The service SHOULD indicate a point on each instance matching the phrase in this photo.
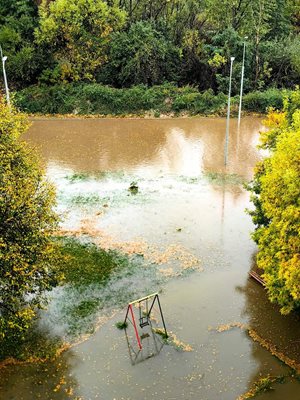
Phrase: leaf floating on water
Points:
(260, 386)
(182, 260)
(172, 340)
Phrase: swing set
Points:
(146, 306)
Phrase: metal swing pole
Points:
(135, 327)
(162, 316)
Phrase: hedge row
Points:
(167, 98)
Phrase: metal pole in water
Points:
(242, 82)
(228, 115)
(4, 76)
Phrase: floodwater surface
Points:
(187, 226)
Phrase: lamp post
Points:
(242, 81)
(4, 76)
(228, 114)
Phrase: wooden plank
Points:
(257, 277)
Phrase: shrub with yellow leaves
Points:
(27, 221)
(275, 194)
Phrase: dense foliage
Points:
(27, 221)
(78, 33)
(130, 42)
(276, 196)
(140, 99)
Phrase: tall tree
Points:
(142, 55)
(78, 32)
(18, 20)
(276, 194)
(27, 221)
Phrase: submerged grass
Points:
(86, 263)
(224, 179)
(86, 199)
(97, 175)
(73, 310)
(96, 282)
(121, 325)
(85, 308)
(262, 385)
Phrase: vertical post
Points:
(228, 115)
(242, 82)
(162, 316)
(135, 328)
(4, 76)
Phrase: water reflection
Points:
(152, 346)
(281, 332)
(179, 146)
(40, 380)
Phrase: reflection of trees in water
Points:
(50, 380)
(265, 319)
(111, 144)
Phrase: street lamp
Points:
(4, 76)
(228, 114)
(242, 82)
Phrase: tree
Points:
(276, 194)
(78, 32)
(227, 13)
(18, 20)
(27, 221)
(142, 55)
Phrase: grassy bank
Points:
(96, 99)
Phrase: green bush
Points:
(200, 103)
(99, 99)
(261, 101)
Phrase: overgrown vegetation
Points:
(167, 98)
(128, 44)
(275, 192)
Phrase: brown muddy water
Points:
(188, 217)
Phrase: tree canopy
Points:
(78, 32)
(85, 40)
(27, 221)
(276, 196)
